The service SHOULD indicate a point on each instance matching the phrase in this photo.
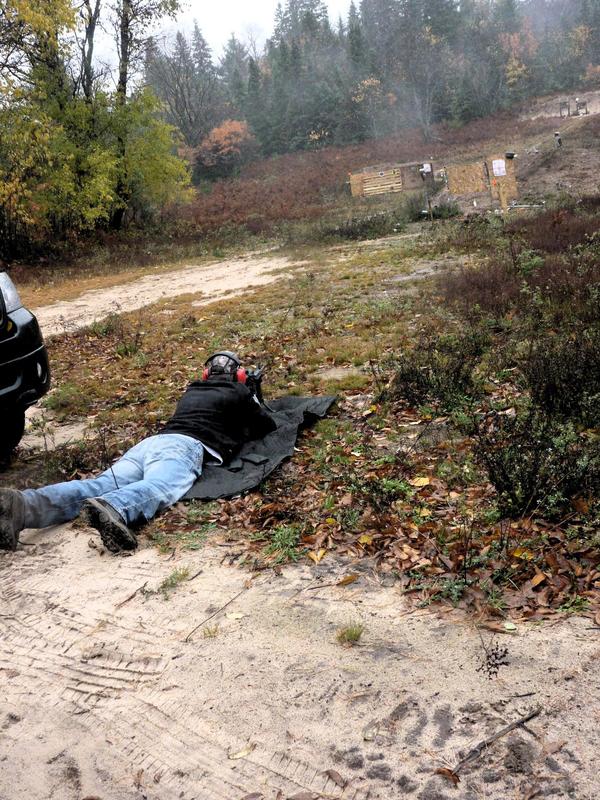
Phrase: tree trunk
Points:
(122, 189)
(87, 48)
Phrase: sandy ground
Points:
(223, 279)
(550, 106)
(106, 696)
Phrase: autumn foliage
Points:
(225, 149)
(307, 185)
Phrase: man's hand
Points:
(254, 383)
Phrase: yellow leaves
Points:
(523, 553)
(366, 538)
(242, 753)
(317, 555)
(580, 37)
(348, 579)
(41, 16)
(369, 89)
(420, 481)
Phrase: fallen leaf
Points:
(242, 753)
(537, 579)
(523, 553)
(597, 618)
(302, 796)
(336, 778)
(370, 732)
(498, 627)
(581, 505)
(448, 774)
(366, 538)
(348, 579)
(420, 481)
(236, 615)
(253, 796)
(331, 521)
(316, 556)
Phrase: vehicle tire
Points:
(13, 426)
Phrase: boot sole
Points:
(9, 508)
(115, 536)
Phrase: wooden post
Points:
(502, 195)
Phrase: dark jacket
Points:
(221, 414)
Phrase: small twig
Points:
(131, 596)
(218, 611)
(195, 575)
(319, 586)
(476, 751)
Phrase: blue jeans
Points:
(151, 476)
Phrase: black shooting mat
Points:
(256, 460)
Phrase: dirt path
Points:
(212, 281)
(104, 697)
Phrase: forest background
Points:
(87, 147)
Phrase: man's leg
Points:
(61, 502)
(172, 463)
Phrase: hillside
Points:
(306, 186)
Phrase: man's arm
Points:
(258, 422)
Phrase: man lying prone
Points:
(213, 419)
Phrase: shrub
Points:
(439, 369)
(554, 231)
(493, 289)
(369, 227)
(563, 376)
(536, 463)
(446, 210)
(224, 150)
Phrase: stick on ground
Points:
(477, 751)
(218, 611)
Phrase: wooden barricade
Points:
(494, 176)
(387, 178)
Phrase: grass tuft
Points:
(350, 635)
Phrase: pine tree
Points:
(201, 52)
(233, 71)
(357, 48)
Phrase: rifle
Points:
(254, 383)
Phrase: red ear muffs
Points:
(241, 375)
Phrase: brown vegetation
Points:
(302, 186)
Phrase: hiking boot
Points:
(12, 518)
(111, 526)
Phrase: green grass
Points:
(284, 544)
(172, 581)
(67, 399)
(350, 635)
